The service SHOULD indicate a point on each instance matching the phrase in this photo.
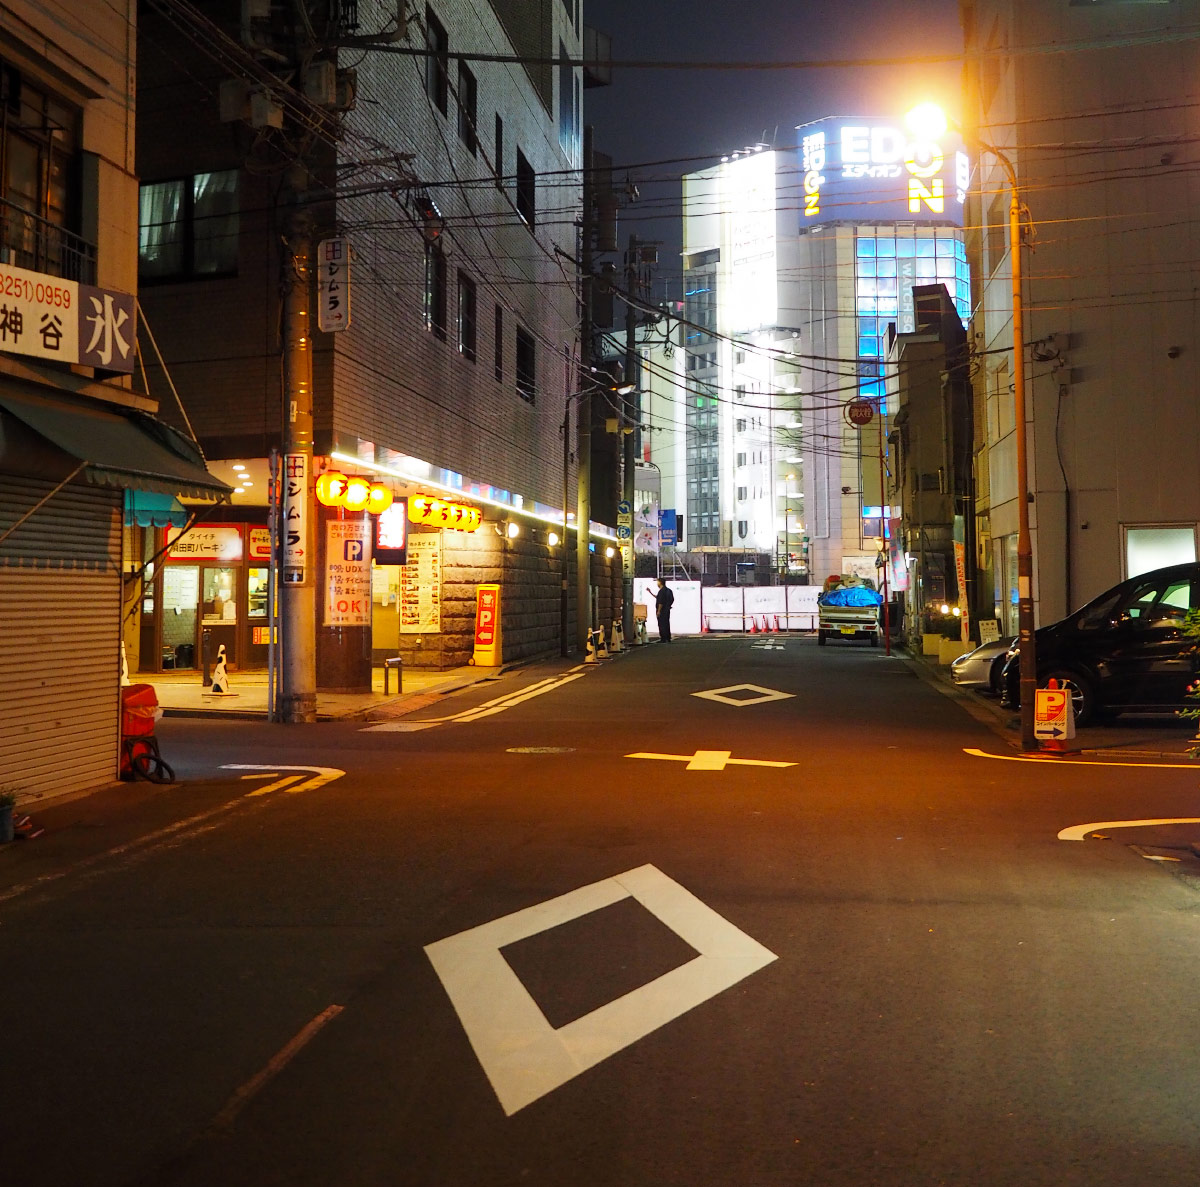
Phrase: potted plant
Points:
(8, 801)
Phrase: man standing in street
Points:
(663, 601)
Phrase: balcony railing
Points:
(39, 245)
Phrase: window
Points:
(741, 459)
(1157, 547)
(741, 494)
(499, 345)
(437, 63)
(467, 96)
(435, 290)
(499, 161)
(526, 366)
(466, 317)
(526, 189)
(741, 426)
(568, 113)
(188, 227)
(39, 152)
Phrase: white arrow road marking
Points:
(1076, 762)
(711, 760)
(293, 784)
(1077, 832)
(522, 1055)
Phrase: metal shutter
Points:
(60, 609)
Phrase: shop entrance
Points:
(180, 598)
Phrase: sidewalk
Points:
(1129, 737)
(181, 694)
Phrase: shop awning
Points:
(118, 447)
(149, 509)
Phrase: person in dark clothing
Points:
(663, 601)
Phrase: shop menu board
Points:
(421, 586)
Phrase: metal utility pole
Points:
(583, 448)
(629, 441)
(1027, 660)
(298, 696)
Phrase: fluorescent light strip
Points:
(349, 459)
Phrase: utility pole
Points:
(629, 407)
(583, 448)
(298, 697)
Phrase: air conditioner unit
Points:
(234, 99)
(265, 112)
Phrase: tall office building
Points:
(797, 262)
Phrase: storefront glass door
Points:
(181, 596)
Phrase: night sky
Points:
(651, 116)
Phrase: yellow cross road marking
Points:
(711, 760)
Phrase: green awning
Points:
(119, 447)
(149, 509)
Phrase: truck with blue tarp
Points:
(849, 612)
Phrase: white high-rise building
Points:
(796, 262)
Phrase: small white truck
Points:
(849, 612)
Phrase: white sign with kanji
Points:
(348, 572)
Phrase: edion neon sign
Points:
(879, 171)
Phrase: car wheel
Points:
(996, 676)
(1082, 696)
(873, 639)
(820, 638)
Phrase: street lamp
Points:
(930, 122)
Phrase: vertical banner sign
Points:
(421, 586)
(295, 518)
(960, 571)
(906, 277)
(333, 284)
(487, 627)
(348, 573)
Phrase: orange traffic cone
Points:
(704, 625)
(753, 625)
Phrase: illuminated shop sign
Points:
(748, 194)
(875, 171)
(355, 493)
(444, 513)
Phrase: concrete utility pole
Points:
(298, 697)
(629, 405)
(583, 448)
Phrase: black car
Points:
(1124, 650)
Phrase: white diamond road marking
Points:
(765, 695)
(523, 1056)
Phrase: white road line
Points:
(526, 695)
(274, 1066)
(1069, 764)
(522, 1055)
(1077, 832)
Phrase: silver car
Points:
(979, 670)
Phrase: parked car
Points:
(981, 669)
(1124, 650)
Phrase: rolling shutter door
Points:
(60, 609)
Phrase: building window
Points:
(435, 290)
(741, 459)
(568, 113)
(741, 426)
(468, 94)
(741, 494)
(466, 316)
(499, 345)
(39, 151)
(188, 227)
(437, 62)
(526, 190)
(526, 366)
(498, 163)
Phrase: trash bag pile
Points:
(851, 595)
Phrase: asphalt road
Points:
(584, 926)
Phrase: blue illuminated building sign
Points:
(873, 170)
